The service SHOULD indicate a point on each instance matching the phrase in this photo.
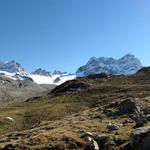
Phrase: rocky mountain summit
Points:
(42, 72)
(128, 64)
(14, 71)
(57, 72)
(11, 67)
(17, 85)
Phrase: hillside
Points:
(20, 90)
(107, 106)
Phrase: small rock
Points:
(146, 112)
(112, 126)
(81, 131)
(87, 134)
(110, 143)
(13, 138)
(117, 133)
(98, 117)
(128, 121)
(130, 96)
(88, 139)
(102, 139)
(141, 121)
(148, 117)
(93, 146)
(9, 119)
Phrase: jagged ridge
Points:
(128, 64)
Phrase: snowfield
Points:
(39, 79)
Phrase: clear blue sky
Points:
(64, 34)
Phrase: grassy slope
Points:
(64, 112)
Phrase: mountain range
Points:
(128, 64)
(97, 112)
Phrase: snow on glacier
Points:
(39, 79)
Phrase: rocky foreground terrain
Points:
(97, 112)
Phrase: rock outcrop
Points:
(140, 138)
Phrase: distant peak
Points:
(42, 72)
(128, 64)
(11, 66)
(93, 58)
(57, 72)
(13, 61)
(129, 55)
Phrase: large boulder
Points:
(140, 138)
(129, 106)
(105, 142)
(102, 139)
(140, 121)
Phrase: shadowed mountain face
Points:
(20, 90)
(17, 85)
(42, 72)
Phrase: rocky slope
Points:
(17, 85)
(42, 72)
(20, 90)
(128, 64)
(97, 112)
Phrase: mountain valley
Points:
(99, 111)
(94, 109)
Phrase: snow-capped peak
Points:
(14, 70)
(11, 67)
(57, 72)
(42, 72)
(128, 64)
